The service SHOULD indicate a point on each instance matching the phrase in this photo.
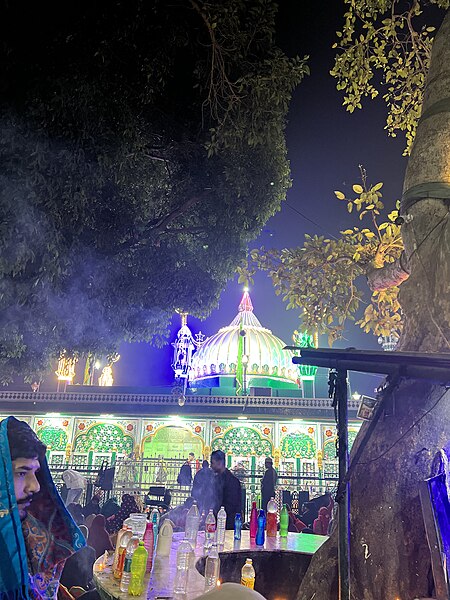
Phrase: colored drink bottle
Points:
(260, 534)
(248, 574)
(253, 521)
(237, 526)
(284, 521)
(271, 518)
(138, 567)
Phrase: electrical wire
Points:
(299, 212)
(368, 462)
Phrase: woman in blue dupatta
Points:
(37, 534)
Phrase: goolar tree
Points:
(142, 147)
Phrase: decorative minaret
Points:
(184, 347)
(245, 306)
(307, 372)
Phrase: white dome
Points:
(266, 357)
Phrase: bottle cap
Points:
(249, 561)
(238, 515)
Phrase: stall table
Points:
(279, 564)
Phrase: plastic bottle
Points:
(284, 521)
(210, 529)
(138, 567)
(192, 524)
(154, 518)
(253, 521)
(185, 557)
(260, 532)
(118, 542)
(271, 518)
(221, 526)
(126, 573)
(148, 544)
(237, 526)
(122, 553)
(212, 569)
(248, 574)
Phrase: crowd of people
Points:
(49, 549)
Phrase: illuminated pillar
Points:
(91, 457)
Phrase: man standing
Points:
(37, 534)
(202, 488)
(185, 474)
(227, 488)
(268, 483)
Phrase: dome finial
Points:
(246, 303)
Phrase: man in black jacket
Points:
(227, 488)
(203, 488)
(268, 483)
(185, 474)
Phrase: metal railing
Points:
(137, 476)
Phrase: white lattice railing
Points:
(168, 400)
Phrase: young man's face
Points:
(217, 465)
(25, 482)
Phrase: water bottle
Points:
(192, 524)
(210, 529)
(126, 537)
(154, 518)
(126, 573)
(253, 521)
(271, 518)
(221, 526)
(185, 559)
(148, 545)
(212, 569)
(237, 526)
(138, 567)
(260, 532)
(284, 521)
(248, 574)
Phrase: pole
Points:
(338, 391)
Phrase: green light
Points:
(305, 340)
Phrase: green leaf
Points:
(339, 195)
(357, 188)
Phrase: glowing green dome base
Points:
(229, 383)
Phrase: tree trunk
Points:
(389, 553)
(390, 558)
(426, 198)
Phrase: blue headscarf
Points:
(33, 551)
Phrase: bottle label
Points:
(248, 582)
(210, 528)
(127, 565)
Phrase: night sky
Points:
(326, 144)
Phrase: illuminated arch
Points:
(298, 444)
(172, 441)
(329, 447)
(243, 441)
(53, 437)
(104, 437)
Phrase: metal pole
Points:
(343, 499)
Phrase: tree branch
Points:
(389, 275)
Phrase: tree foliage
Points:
(323, 277)
(385, 46)
(142, 146)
